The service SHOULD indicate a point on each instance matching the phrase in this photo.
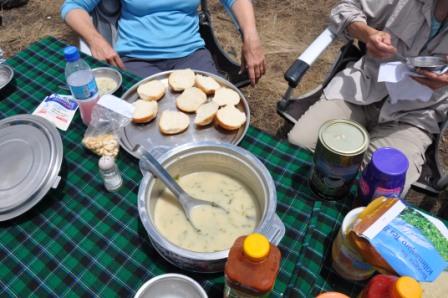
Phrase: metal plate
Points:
(6, 75)
(149, 136)
(30, 159)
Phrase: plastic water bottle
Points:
(81, 81)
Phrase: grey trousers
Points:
(411, 140)
(199, 60)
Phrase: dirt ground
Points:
(286, 27)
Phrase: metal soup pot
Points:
(215, 157)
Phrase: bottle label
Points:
(85, 91)
(387, 192)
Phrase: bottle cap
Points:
(332, 295)
(407, 287)
(71, 54)
(106, 162)
(390, 162)
(256, 247)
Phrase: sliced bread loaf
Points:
(152, 90)
(144, 111)
(206, 113)
(226, 96)
(173, 122)
(181, 79)
(230, 118)
(190, 100)
(207, 84)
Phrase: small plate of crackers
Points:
(181, 106)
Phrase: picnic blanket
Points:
(81, 240)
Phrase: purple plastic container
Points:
(385, 175)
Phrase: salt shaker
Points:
(110, 173)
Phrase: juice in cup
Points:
(85, 108)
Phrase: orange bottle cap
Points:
(407, 287)
(256, 247)
(332, 295)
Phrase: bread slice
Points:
(152, 90)
(207, 84)
(181, 79)
(190, 100)
(230, 118)
(173, 122)
(226, 96)
(206, 113)
(144, 111)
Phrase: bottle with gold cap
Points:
(389, 286)
(251, 268)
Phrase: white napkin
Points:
(400, 85)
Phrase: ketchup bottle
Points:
(252, 267)
(389, 286)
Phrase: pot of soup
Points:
(227, 175)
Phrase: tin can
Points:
(346, 261)
(385, 175)
(339, 153)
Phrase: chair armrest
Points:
(296, 71)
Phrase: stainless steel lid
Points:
(30, 159)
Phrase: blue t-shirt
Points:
(156, 29)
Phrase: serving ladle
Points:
(188, 203)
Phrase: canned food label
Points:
(332, 181)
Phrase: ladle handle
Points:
(150, 164)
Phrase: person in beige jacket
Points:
(388, 28)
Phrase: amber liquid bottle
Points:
(251, 268)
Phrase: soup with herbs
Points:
(216, 228)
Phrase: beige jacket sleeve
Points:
(373, 12)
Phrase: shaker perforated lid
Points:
(30, 159)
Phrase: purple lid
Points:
(390, 161)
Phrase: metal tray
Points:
(149, 136)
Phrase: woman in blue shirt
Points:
(159, 35)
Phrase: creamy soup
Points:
(217, 229)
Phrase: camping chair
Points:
(105, 18)
(292, 109)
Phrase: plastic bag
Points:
(108, 116)
(396, 238)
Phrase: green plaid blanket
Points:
(81, 240)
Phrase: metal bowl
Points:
(171, 285)
(108, 72)
(431, 63)
(6, 75)
(216, 157)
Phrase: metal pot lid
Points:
(30, 159)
